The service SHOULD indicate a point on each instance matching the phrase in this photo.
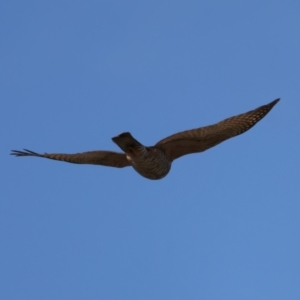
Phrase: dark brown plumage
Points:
(155, 162)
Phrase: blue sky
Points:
(224, 224)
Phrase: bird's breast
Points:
(153, 164)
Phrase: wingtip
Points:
(25, 152)
(275, 101)
(15, 152)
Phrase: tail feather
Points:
(127, 142)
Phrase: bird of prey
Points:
(154, 162)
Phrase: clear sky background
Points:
(224, 224)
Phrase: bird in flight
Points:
(154, 162)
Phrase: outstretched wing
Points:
(203, 138)
(104, 158)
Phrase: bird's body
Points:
(155, 162)
(151, 162)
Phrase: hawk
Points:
(154, 162)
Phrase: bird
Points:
(154, 162)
